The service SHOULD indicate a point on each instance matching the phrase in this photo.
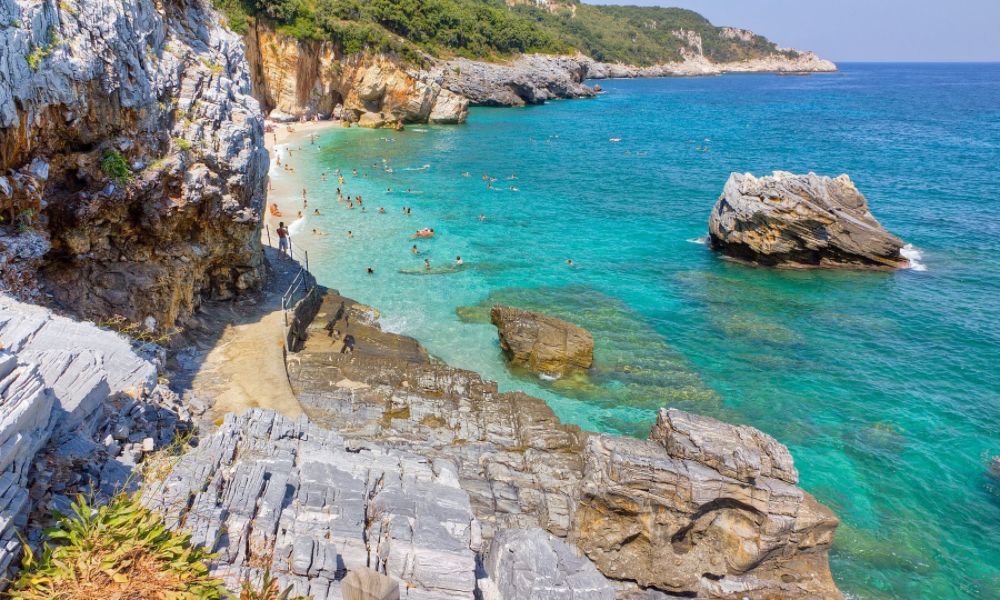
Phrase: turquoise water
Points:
(884, 386)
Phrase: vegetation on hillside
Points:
(487, 29)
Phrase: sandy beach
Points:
(285, 187)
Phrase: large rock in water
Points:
(703, 506)
(541, 343)
(800, 221)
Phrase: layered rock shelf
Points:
(800, 221)
(700, 508)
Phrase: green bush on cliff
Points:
(491, 29)
(119, 550)
(116, 167)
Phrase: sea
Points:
(884, 386)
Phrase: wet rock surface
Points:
(800, 221)
(541, 343)
(130, 145)
(701, 508)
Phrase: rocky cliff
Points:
(131, 159)
(294, 79)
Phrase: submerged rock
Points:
(800, 221)
(542, 344)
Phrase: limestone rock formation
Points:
(528, 79)
(703, 506)
(294, 79)
(530, 564)
(78, 410)
(541, 343)
(301, 501)
(701, 509)
(800, 221)
(131, 156)
(696, 64)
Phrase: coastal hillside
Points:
(387, 62)
(491, 29)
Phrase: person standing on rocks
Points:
(283, 239)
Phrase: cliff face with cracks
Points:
(132, 167)
(292, 79)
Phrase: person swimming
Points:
(350, 234)
(414, 251)
(371, 271)
(427, 264)
(482, 217)
(569, 262)
(316, 212)
(458, 261)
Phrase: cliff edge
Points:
(132, 166)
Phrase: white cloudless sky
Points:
(862, 30)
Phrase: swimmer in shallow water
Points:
(569, 262)
(414, 251)
(458, 261)
(427, 264)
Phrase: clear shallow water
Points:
(884, 386)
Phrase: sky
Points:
(862, 30)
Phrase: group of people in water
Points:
(357, 202)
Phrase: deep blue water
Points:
(883, 385)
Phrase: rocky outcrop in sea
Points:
(131, 159)
(800, 221)
(542, 344)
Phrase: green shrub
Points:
(116, 167)
(182, 144)
(491, 29)
(119, 550)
